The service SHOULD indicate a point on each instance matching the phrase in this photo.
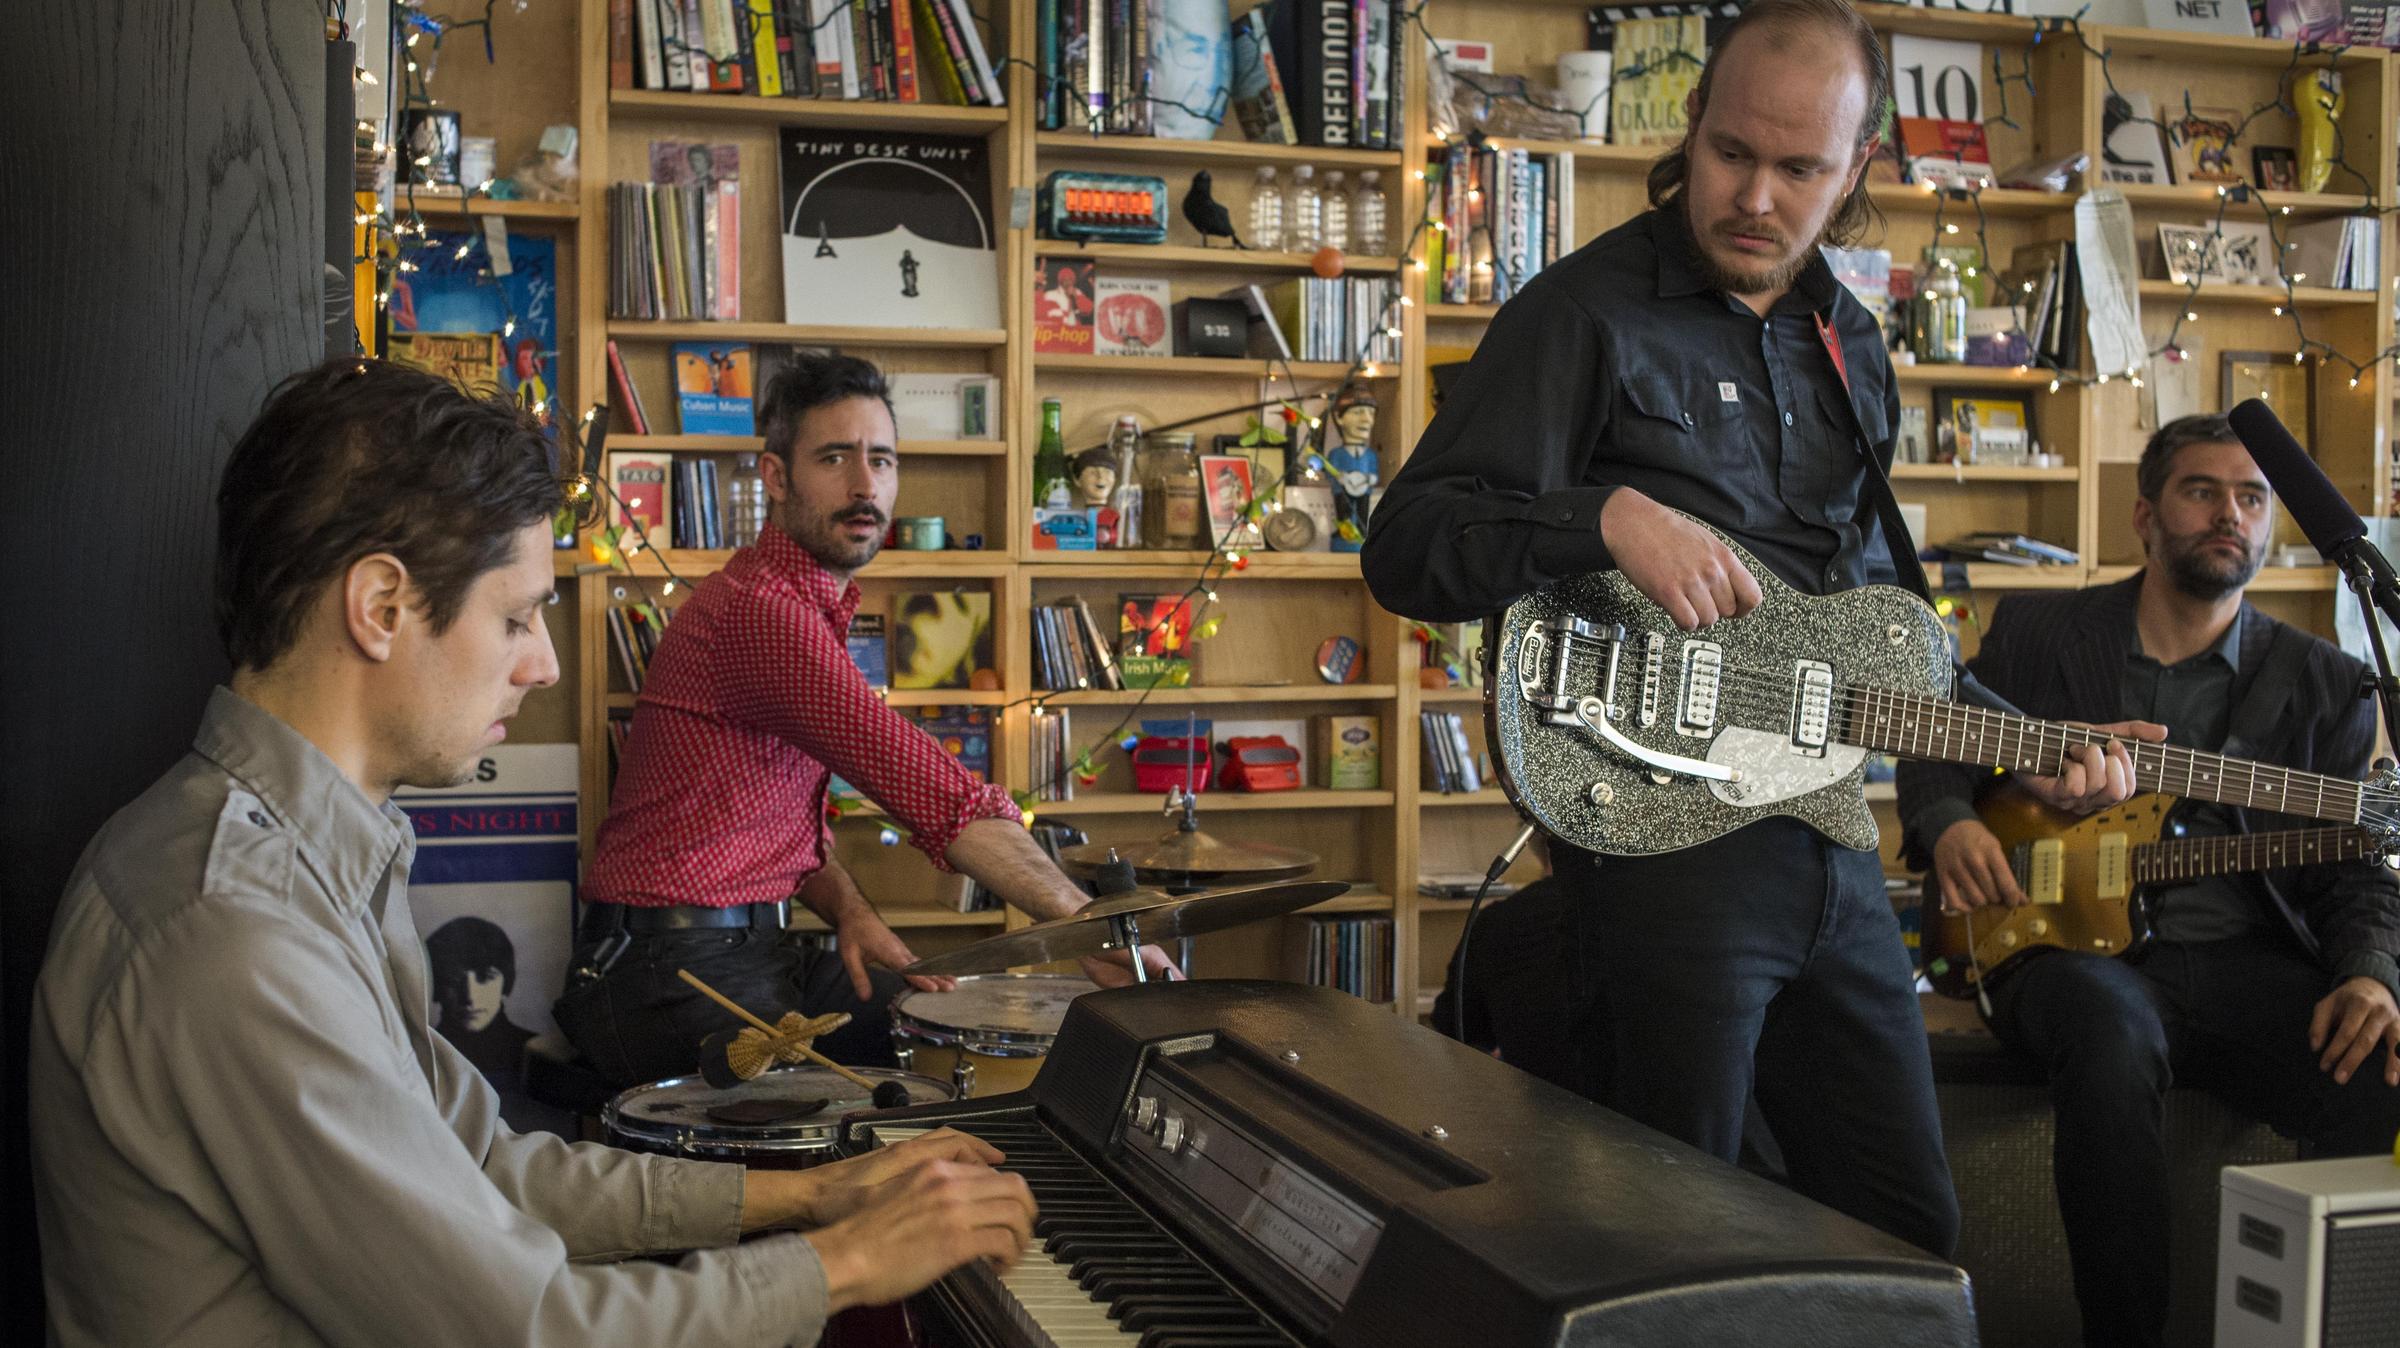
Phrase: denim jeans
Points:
(2228, 1016)
(639, 1023)
(1766, 964)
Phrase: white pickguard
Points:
(1771, 772)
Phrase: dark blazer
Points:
(2062, 657)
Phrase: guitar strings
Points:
(1744, 694)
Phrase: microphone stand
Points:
(2370, 576)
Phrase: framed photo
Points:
(2275, 168)
(2246, 254)
(2272, 377)
(1983, 426)
(2189, 252)
(1227, 484)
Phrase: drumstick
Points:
(764, 1028)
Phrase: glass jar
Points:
(1173, 513)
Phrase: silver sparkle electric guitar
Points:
(1619, 733)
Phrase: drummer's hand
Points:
(1112, 970)
(862, 939)
(921, 1224)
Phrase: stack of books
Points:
(1452, 764)
(1506, 214)
(675, 246)
(844, 49)
(1068, 650)
(1353, 954)
(633, 631)
(2009, 549)
(1305, 72)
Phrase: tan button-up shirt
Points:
(246, 1131)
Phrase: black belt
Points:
(603, 919)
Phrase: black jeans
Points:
(639, 1023)
(2228, 1016)
(1766, 964)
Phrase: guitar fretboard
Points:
(1912, 725)
(2186, 859)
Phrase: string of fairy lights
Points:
(611, 546)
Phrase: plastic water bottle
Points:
(1370, 236)
(746, 497)
(1304, 212)
(1336, 211)
(1266, 211)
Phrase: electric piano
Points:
(1238, 1164)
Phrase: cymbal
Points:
(1181, 855)
(1160, 917)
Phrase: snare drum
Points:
(989, 1034)
(784, 1120)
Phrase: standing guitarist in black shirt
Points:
(2273, 990)
(1702, 358)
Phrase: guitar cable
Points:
(1500, 864)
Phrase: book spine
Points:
(620, 44)
(762, 52)
(824, 22)
(634, 422)
(729, 250)
(645, 33)
(904, 49)
(1045, 64)
(1358, 71)
(1325, 84)
(674, 45)
(993, 95)
(939, 63)
(792, 56)
(696, 48)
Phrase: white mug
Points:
(1583, 87)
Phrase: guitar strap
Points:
(1879, 485)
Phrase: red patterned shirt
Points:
(751, 703)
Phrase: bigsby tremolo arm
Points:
(1549, 650)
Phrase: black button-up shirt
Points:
(1619, 367)
(2194, 699)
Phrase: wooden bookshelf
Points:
(1383, 838)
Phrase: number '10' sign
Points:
(1934, 77)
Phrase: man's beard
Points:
(2203, 575)
(822, 538)
(1775, 278)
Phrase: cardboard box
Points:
(1346, 752)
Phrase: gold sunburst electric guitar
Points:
(2087, 880)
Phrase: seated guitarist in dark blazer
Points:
(2275, 990)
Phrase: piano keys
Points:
(1235, 1164)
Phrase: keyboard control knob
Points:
(1170, 1134)
(1145, 1113)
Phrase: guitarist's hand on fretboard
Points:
(2093, 778)
(1972, 868)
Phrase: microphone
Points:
(2332, 527)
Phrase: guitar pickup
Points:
(1654, 661)
(1703, 675)
(1812, 706)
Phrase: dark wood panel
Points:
(162, 201)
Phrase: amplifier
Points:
(2308, 1255)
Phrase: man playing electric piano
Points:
(2274, 990)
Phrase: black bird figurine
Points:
(1207, 214)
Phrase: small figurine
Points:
(1356, 469)
(1096, 489)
